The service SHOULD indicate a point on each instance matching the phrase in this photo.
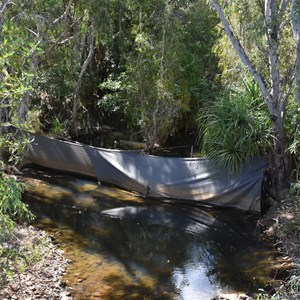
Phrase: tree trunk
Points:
(282, 165)
(295, 18)
(273, 44)
(281, 159)
(273, 97)
(4, 110)
(73, 125)
(24, 108)
(241, 52)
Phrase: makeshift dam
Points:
(196, 180)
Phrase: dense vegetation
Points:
(158, 70)
(228, 70)
(12, 211)
(143, 66)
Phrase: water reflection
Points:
(126, 247)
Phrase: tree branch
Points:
(33, 32)
(283, 6)
(3, 8)
(64, 14)
(62, 35)
(65, 40)
(242, 54)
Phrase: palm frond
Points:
(235, 128)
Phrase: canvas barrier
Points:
(59, 155)
(187, 179)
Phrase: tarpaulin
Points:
(195, 179)
(59, 155)
(187, 179)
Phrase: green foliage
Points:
(15, 73)
(7, 225)
(10, 202)
(8, 263)
(295, 187)
(12, 209)
(171, 71)
(153, 50)
(294, 147)
(33, 123)
(58, 128)
(113, 101)
(248, 24)
(15, 145)
(288, 290)
(235, 128)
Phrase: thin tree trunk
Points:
(73, 125)
(297, 74)
(24, 108)
(241, 52)
(272, 42)
(4, 110)
(295, 17)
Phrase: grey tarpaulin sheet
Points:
(59, 155)
(193, 179)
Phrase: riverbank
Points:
(38, 267)
(281, 225)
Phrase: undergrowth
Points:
(12, 211)
(285, 230)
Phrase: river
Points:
(123, 246)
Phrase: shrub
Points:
(235, 128)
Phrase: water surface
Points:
(126, 247)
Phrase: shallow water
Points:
(126, 247)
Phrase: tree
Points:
(169, 70)
(14, 76)
(152, 74)
(79, 82)
(90, 62)
(275, 88)
(295, 20)
(82, 36)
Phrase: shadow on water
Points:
(126, 247)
